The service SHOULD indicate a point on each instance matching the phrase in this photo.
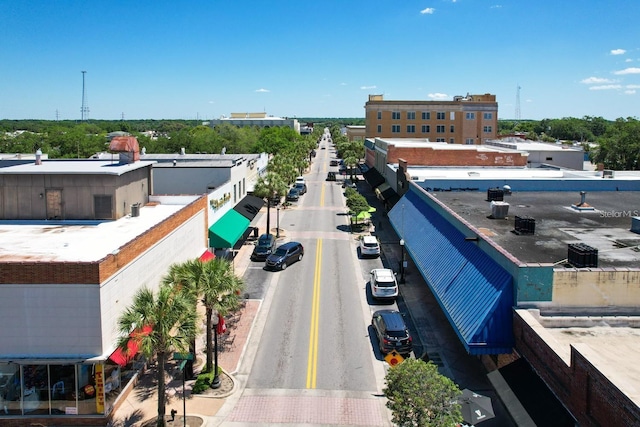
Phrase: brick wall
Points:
(32, 272)
(591, 398)
(427, 156)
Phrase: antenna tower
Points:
(84, 110)
(518, 104)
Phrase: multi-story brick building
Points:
(471, 119)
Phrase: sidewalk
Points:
(141, 404)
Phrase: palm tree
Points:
(267, 187)
(172, 316)
(219, 287)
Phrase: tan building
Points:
(472, 119)
(355, 132)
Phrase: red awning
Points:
(207, 256)
(123, 357)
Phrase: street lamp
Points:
(402, 263)
(216, 380)
(278, 223)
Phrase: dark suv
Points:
(392, 332)
(283, 256)
(301, 187)
(265, 245)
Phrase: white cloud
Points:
(428, 11)
(212, 102)
(632, 86)
(368, 87)
(628, 60)
(438, 96)
(343, 84)
(618, 52)
(605, 87)
(595, 80)
(496, 6)
(631, 70)
(630, 92)
(262, 90)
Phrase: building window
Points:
(411, 115)
(440, 115)
(395, 128)
(395, 115)
(379, 129)
(452, 129)
(471, 116)
(411, 129)
(452, 140)
(440, 140)
(426, 115)
(487, 129)
(452, 115)
(440, 129)
(379, 115)
(470, 141)
(488, 116)
(426, 128)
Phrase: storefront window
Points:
(63, 389)
(10, 389)
(35, 393)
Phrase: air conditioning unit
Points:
(499, 210)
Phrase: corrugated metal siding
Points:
(474, 291)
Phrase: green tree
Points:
(619, 149)
(269, 186)
(218, 287)
(419, 396)
(172, 316)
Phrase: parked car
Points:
(331, 176)
(348, 183)
(293, 195)
(383, 284)
(275, 200)
(285, 255)
(301, 187)
(392, 332)
(300, 179)
(264, 247)
(369, 246)
(333, 163)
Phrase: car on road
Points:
(264, 247)
(301, 187)
(384, 285)
(300, 179)
(369, 246)
(333, 163)
(331, 176)
(392, 332)
(293, 195)
(284, 256)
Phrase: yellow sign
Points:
(99, 388)
(394, 358)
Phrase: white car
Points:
(300, 179)
(383, 284)
(369, 246)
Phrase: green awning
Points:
(227, 230)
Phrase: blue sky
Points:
(202, 59)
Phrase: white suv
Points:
(383, 284)
(300, 179)
(369, 246)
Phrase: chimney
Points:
(38, 157)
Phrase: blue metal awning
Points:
(474, 291)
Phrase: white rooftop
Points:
(80, 241)
(80, 166)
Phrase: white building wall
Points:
(184, 243)
(187, 180)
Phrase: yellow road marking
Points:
(312, 361)
(322, 191)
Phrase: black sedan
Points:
(293, 195)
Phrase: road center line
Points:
(312, 361)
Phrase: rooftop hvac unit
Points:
(135, 210)
(525, 225)
(635, 224)
(581, 256)
(499, 210)
(495, 194)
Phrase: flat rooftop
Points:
(70, 167)
(607, 228)
(76, 241)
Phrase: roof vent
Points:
(39, 157)
(182, 151)
(583, 205)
